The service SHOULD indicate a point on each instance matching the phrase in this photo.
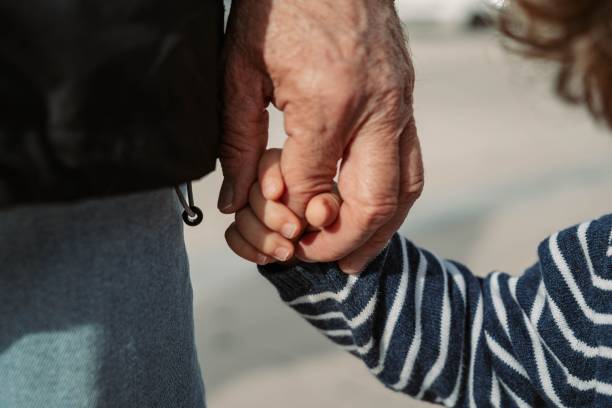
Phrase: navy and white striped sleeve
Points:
(431, 329)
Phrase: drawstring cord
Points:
(192, 215)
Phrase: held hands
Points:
(265, 230)
(340, 72)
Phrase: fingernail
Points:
(262, 259)
(288, 230)
(226, 196)
(282, 254)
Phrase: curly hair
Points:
(577, 34)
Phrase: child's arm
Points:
(416, 321)
(431, 329)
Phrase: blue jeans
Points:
(96, 306)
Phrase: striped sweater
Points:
(431, 329)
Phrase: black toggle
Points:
(195, 220)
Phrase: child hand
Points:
(265, 230)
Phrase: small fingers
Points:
(369, 183)
(261, 238)
(323, 209)
(242, 248)
(273, 214)
(270, 176)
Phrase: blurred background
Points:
(506, 165)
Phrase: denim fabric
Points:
(96, 306)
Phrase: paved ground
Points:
(506, 165)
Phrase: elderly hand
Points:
(340, 72)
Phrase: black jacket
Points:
(103, 97)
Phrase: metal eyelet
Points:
(192, 215)
(195, 219)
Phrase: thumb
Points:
(320, 108)
(323, 210)
(245, 133)
(308, 169)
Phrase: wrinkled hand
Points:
(340, 72)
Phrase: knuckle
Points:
(394, 101)
(374, 215)
(412, 191)
(413, 188)
(275, 220)
(265, 244)
(310, 185)
(392, 95)
(234, 153)
(270, 243)
(230, 153)
(392, 110)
